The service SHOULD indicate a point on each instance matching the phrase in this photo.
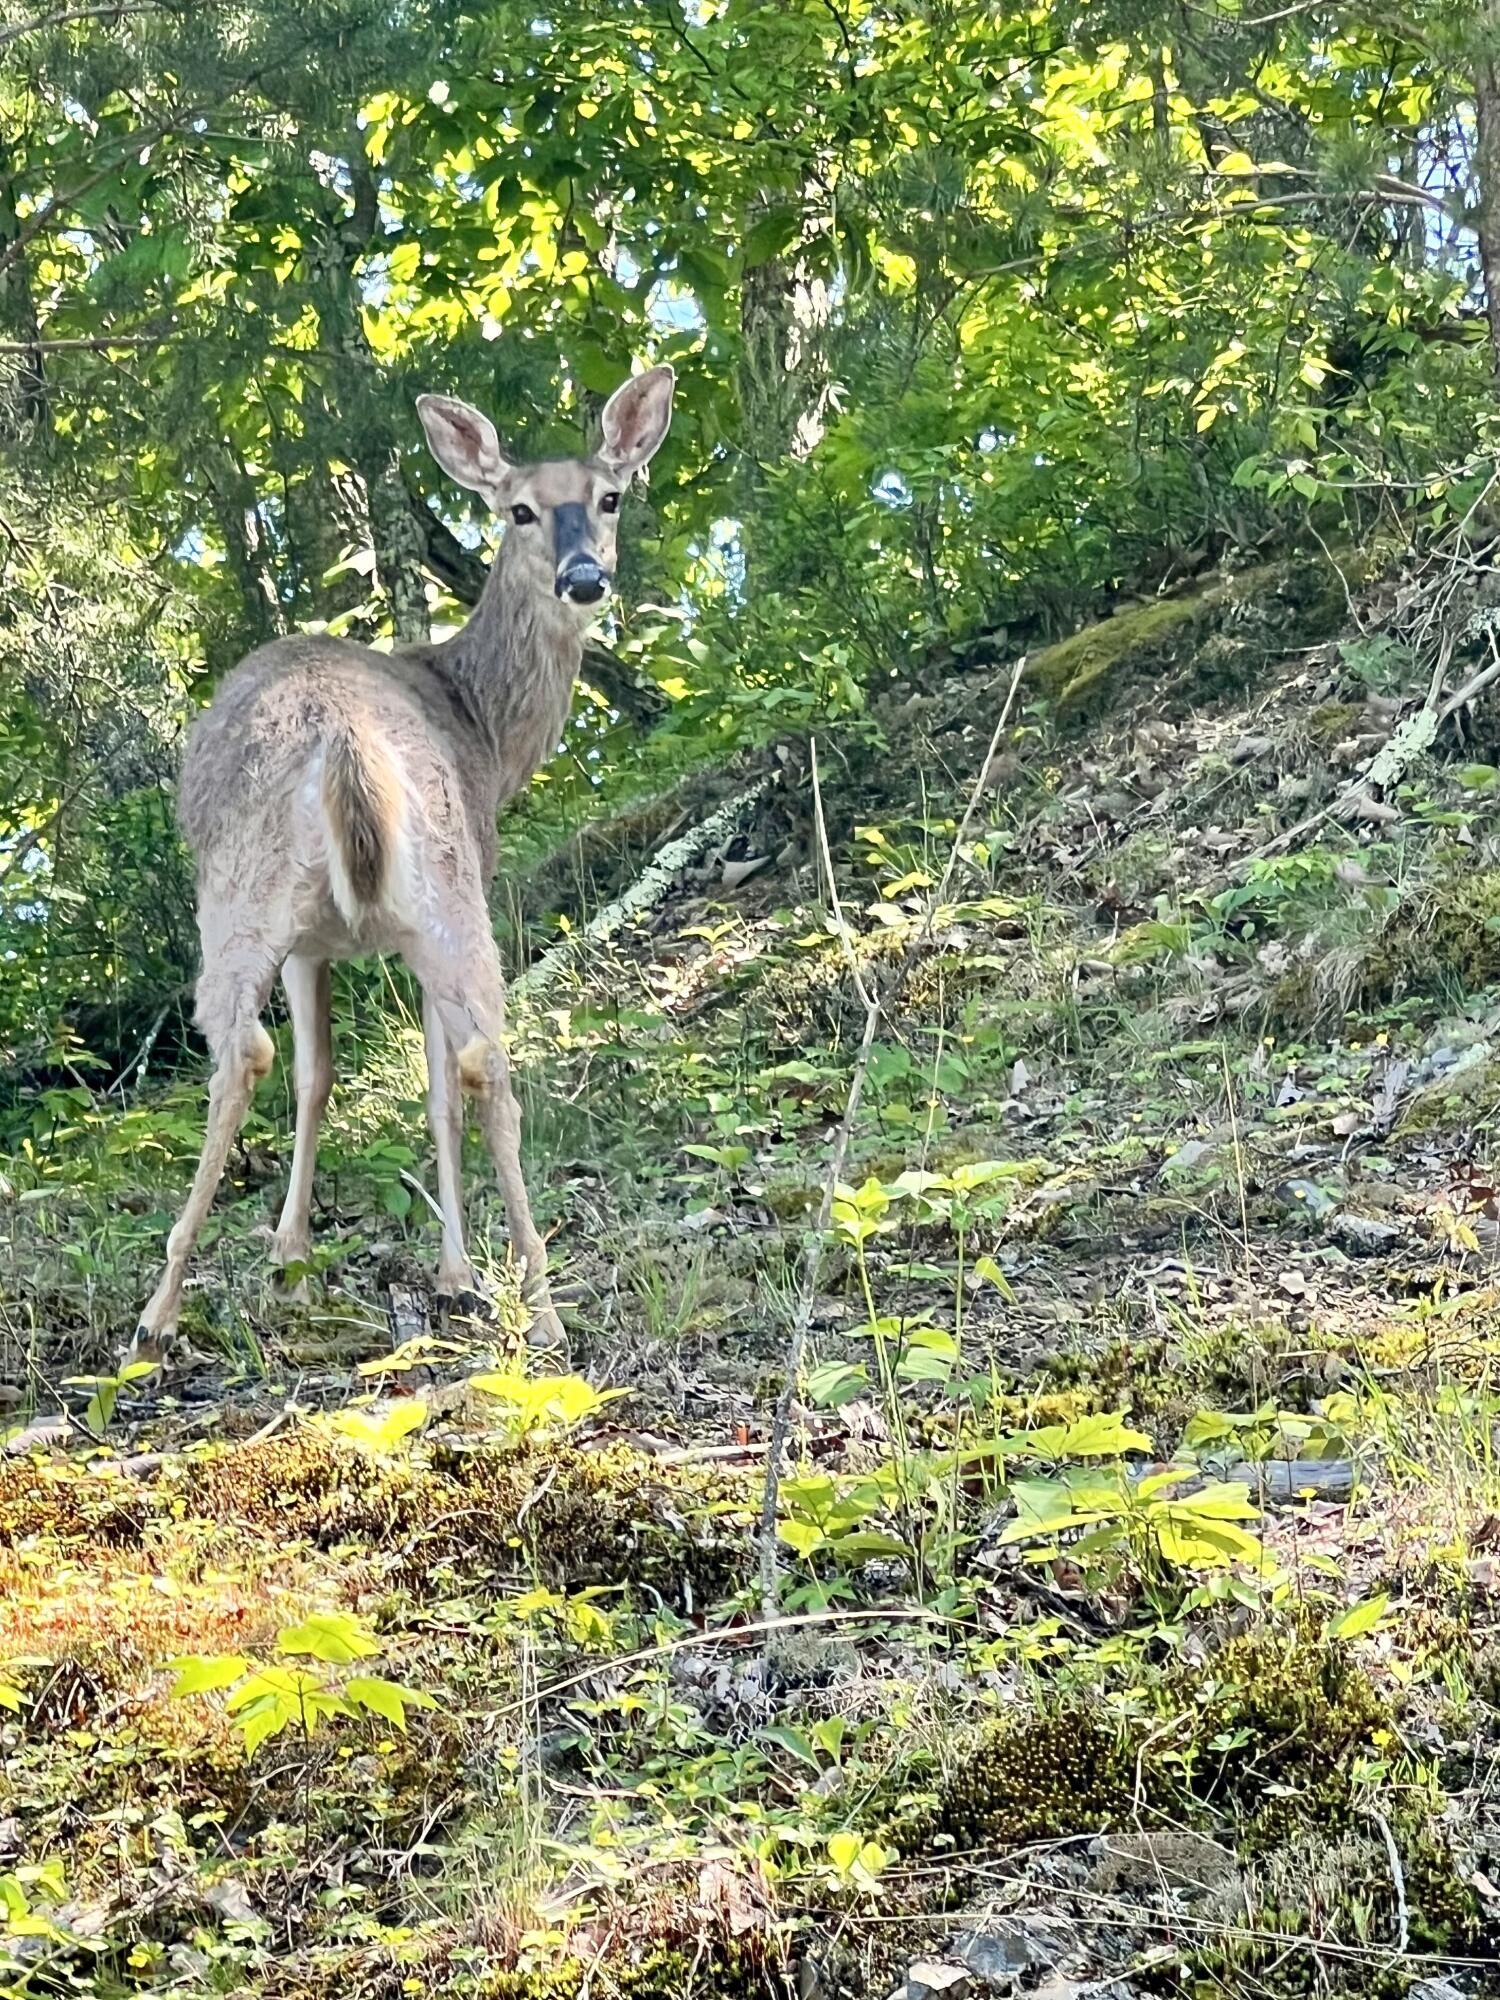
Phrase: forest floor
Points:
(1139, 1542)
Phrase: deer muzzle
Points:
(581, 577)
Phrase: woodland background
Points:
(1005, 967)
(976, 319)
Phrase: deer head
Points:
(562, 514)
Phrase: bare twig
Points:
(93, 344)
(65, 16)
(1398, 1880)
(812, 1255)
(732, 1635)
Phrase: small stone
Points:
(1364, 1235)
(1007, 1946)
(1195, 1153)
(936, 1979)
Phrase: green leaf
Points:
(206, 1674)
(387, 1698)
(332, 1636)
(1360, 1618)
(1104, 1435)
(261, 1721)
(803, 1538)
(794, 1741)
(381, 1432)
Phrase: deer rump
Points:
(345, 796)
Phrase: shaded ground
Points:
(1142, 1527)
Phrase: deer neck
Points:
(512, 669)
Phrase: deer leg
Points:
(467, 990)
(309, 996)
(229, 1002)
(445, 1114)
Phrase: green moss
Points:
(42, 1500)
(1043, 1778)
(1321, 1891)
(1448, 937)
(654, 1971)
(1212, 642)
(1079, 674)
(569, 1516)
(1331, 722)
(1279, 1718)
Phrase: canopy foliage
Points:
(977, 314)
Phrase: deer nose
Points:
(583, 581)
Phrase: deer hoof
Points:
(546, 1330)
(464, 1300)
(146, 1348)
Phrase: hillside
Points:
(1134, 1585)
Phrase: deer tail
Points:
(361, 793)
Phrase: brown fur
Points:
(342, 801)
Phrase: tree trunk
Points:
(1487, 168)
(238, 515)
(396, 535)
(25, 398)
(782, 379)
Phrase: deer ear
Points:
(463, 442)
(636, 419)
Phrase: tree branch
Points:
(66, 15)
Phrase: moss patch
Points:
(1278, 1721)
(1081, 674)
(1211, 642)
(1039, 1779)
(1449, 938)
(565, 1515)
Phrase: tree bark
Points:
(1487, 168)
(27, 400)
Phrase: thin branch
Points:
(812, 1255)
(65, 16)
(1398, 1881)
(95, 344)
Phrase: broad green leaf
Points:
(386, 1698)
(333, 1636)
(206, 1674)
(794, 1741)
(1360, 1618)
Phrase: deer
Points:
(341, 802)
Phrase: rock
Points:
(1435, 1989)
(937, 1979)
(999, 1949)
(1284, 1480)
(1188, 1865)
(1195, 1153)
(1364, 1235)
(1453, 1073)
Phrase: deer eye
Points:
(523, 516)
(610, 504)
